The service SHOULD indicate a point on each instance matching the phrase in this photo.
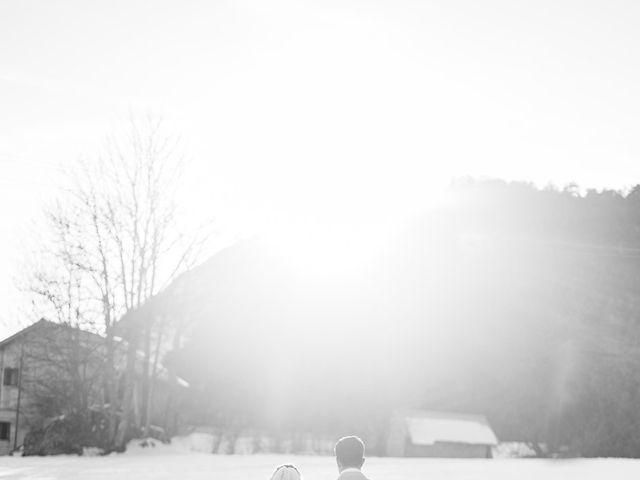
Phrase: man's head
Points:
(349, 453)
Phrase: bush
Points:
(68, 434)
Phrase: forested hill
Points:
(515, 302)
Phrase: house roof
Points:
(43, 323)
(427, 428)
(24, 331)
(163, 373)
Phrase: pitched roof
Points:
(162, 370)
(427, 428)
(24, 331)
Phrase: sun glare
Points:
(329, 250)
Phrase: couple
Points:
(349, 457)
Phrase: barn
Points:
(419, 433)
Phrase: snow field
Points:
(169, 463)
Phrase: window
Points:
(5, 431)
(10, 376)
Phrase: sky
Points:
(338, 113)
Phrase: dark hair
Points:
(350, 451)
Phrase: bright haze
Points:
(343, 114)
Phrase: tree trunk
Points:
(127, 401)
(154, 375)
(111, 385)
(171, 413)
(146, 373)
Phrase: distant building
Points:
(38, 377)
(30, 362)
(418, 433)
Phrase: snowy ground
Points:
(166, 463)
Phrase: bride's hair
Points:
(286, 472)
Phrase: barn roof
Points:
(427, 428)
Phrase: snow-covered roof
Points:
(427, 428)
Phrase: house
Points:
(48, 368)
(419, 433)
(9, 388)
(36, 376)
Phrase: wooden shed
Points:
(419, 433)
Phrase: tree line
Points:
(513, 301)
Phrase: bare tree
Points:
(116, 243)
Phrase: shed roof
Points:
(427, 428)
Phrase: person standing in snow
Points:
(350, 458)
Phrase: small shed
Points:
(420, 433)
